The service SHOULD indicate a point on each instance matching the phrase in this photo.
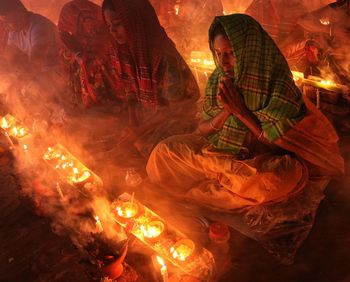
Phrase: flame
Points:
(18, 132)
(325, 21)
(153, 229)
(182, 249)
(15, 131)
(97, 218)
(25, 147)
(328, 83)
(297, 75)
(4, 123)
(160, 261)
(127, 210)
(202, 59)
(177, 9)
(79, 178)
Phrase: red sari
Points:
(151, 71)
(148, 49)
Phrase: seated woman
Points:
(156, 83)
(259, 141)
(84, 56)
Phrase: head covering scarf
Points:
(147, 42)
(261, 76)
(83, 20)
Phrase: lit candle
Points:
(59, 190)
(163, 269)
(9, 139)
(99, 226)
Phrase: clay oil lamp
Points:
(152, 230)
(19, 131)
(182, 249)
(52, 155)
(127, 210)
(81, 177)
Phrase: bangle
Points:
(213, 127)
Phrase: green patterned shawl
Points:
(261, 76)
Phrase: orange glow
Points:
(74, 172)
(177, 9)
(202, 60)
(52, 154)
(81, 177)
(98, 224)
(127, 210)
(182, 249)
(297, 76)
(4, 123)
(152, 229)
(325, 21)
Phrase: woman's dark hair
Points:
(8, 6)
(107, 5)
(218, 30)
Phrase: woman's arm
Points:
(213, 125)
(233, 103)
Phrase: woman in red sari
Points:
(151, 75)
(86, 43)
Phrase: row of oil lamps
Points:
(148, 226)
(144, 223)
(161, 237)
(204, 60)
(63, 162)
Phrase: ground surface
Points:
(30, 251)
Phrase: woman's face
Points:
(224, 53)
(115, 26)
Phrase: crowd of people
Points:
(258, 141)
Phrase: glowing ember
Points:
(182, 249)
(127, 210)
(153, 229)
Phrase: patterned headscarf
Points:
(147, 42)
(83, 19)
(261, 76)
